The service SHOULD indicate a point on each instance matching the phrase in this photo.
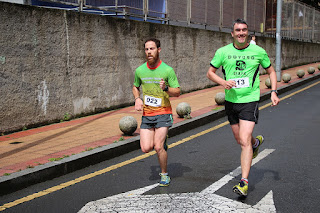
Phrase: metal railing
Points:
(145, 10)
(218, 14)
(299, 21)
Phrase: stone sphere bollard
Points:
(268, 83)
(128, 125)
(300, 73)
(220, 98)
(183, 109)
(311, 70)
(286, 77)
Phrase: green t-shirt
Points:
(156, 101)
(243, 67)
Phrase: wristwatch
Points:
(276, 91)
(166, 88)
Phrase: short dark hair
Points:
(239, 21)
(156, 41)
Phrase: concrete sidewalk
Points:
(36, 155)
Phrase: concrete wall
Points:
(54, 62)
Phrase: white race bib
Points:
(152, 101)
(241, 82)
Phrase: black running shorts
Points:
(243, 111)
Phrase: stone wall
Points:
(56, 62)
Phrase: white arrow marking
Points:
(218, 184)
(204, 201)
(266, 204)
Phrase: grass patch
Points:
(55, 159)
(188, 116)
(217, 108)
(67, 117)
(120, 139)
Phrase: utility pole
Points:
(278, 40)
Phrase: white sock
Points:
(256, 144)
(165, 174)
(245, 179)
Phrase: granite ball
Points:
(311, 70)
(286, 77)
(183, 109)
(268, 83)
(220, 98)
(300, 73)
(128, 125)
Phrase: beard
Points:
(153, 60)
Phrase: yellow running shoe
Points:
(241, 188)
(256, 150)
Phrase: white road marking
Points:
(224, 180)
(204, 201)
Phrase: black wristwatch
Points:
(166, 88)
(276, 91)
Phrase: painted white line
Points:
(205, 201)
(134, 192)
(266, 204)
(224, 180)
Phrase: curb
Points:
(48, 171)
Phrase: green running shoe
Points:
(256, 150)
(241, 188)
(165, 180)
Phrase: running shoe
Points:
(165, 180)
(165, 145)
(256, 150)
(241, 188)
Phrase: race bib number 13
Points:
(152, 101)
(241, 82)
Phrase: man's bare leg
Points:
(147, 139)
(154, 139)
(243, 135)
(159, 138)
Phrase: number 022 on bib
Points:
(152, 101)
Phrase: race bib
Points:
(241, 82)
(152, 101)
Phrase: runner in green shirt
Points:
(240, 65)
(158, 82)
(156, 101)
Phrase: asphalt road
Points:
(200, 158)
